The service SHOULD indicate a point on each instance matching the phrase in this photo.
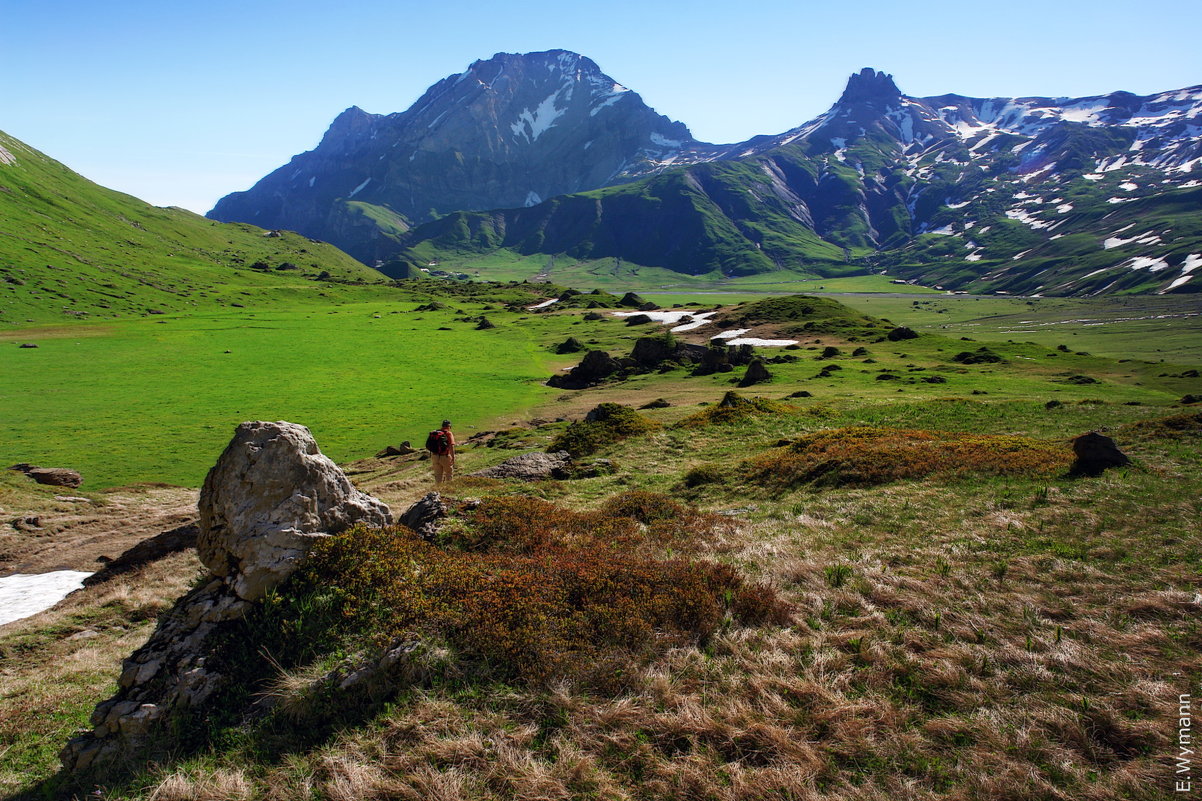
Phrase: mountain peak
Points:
(870, 85)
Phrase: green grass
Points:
(157, 400)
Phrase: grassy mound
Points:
(865, 456)
(606, 424)
(807, 314)
(734, 408)
(1175, 426)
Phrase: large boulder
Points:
(271, 492)
(268, 498)
(1095, 453)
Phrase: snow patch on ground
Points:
(23, 595)
(944, 231)
(1113, 200)
(1025, 217)
(532, 198)
(973, 257)
(699, 319)
(542, 305)
(763, 343)
(1092, 176)
(1064, 208)
(731, 334)
(1127, 186)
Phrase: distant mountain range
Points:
(544, 153)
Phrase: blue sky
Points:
(180, 103)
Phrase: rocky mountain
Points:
(510, 131)
(544, 154)
(1034, 195)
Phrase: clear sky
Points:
(180, 103)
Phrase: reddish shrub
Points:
(863, 456)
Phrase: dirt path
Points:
(42, 532)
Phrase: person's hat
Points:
(446, 422)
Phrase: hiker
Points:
(441, 445)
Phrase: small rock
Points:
(425, 516)
(756, 373)
(530, 467)
(27, 345)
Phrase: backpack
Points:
(438, 442)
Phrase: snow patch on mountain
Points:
(1192, 262)
(534, 123)
(359, 188)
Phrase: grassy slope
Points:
(71, 249)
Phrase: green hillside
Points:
(71, 249)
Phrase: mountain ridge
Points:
(862, 186)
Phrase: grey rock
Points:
(425, 516)
(270, 493)
(531, 467)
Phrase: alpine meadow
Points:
(856, 462)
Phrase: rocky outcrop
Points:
(756, 373)
(425, 516)
(531, 467)
(404, 449)
(51, 476)
(269, 497)
(595, 367)
(271, 492)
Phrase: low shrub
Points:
(532, 607)
(864, 456)
(1173, 427)
(606, 424)
(702, 474)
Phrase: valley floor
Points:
(953, 634)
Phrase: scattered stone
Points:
(900, 333)
(801, 393)
(1191, 399)
(638, 319)
(485, 324)
(594, 316)
(658, 403)
(531, 467)
(404, 449)
(146, 551)
(1053, 404)
(27, 345)
(51, 476)
(425, 516)
(756, 373)
(1095, 453)
(570, 345)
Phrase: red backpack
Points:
(439, 442)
